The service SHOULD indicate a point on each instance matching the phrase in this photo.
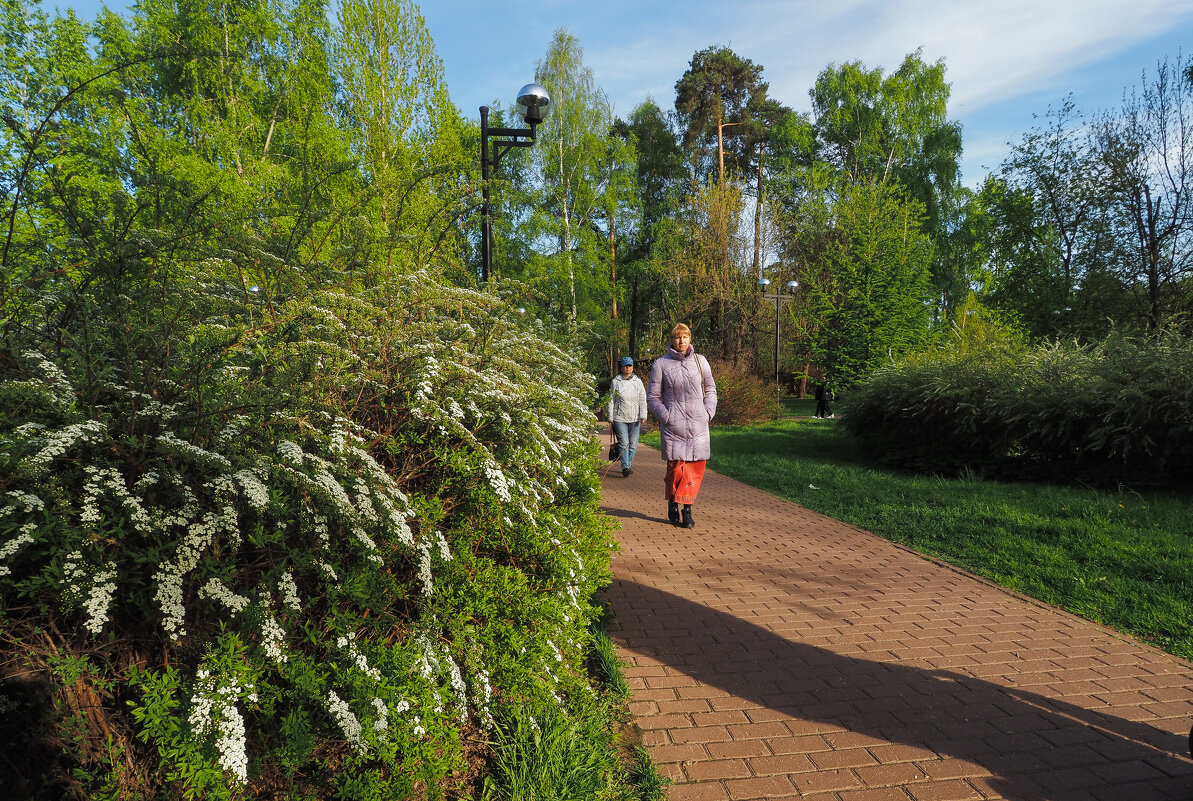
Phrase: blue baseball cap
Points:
(626, 360)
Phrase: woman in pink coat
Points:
(683, 397)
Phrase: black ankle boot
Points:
(673, 512)
(687, 517)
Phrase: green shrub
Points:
(302, 547)
(742, 397)
(941, 407)
(1120, 410)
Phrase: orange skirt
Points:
(683, 480)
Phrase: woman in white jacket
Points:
(627, 412)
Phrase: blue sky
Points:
(1006, 59)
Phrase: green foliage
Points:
(404, 127)
(545, 754)
(864, 291)
(1084, 216)
(606, 667)
(583, 170)
(350, 518)
(582, 750)
(659, 165)
(646, 779)
(281, 514)
(894, 130)
(1117, 410)
(696, 256)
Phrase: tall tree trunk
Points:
(613, 285)
(720, 149)
(758, 215)
(633, 333)
(566, 234)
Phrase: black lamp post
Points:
(779, 300)
(532, 104)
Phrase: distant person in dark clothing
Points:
(824, 399)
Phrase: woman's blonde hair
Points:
(680, 328)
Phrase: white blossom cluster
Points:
(417, 728)
(232, 429)
(27, 502)
(348, 722)
(445, 551)
(76, 576)
(381, 721)
(107, 481)
(272, 639)
(347, 643)
(174, 444)
(498, 482)
(147, 480)
(378, 501)
(291, 452)
(169, 577)
(255, 491)
(57, 443)
(289, 592)
(93, 592)
(482, 697)
(24, 537)
(424, 568)
(52, 378)
(458, 685)
(148, 405)
(218, 591)
(214, 710)
(429, 666)
(364, 501)
(350, 503)
(99, 600)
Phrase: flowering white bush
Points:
(355, 527)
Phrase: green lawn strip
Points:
(798, 407)
(1122, 558)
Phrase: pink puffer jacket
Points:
(683, 396)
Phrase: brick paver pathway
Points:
(776, 653)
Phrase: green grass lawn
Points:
(798, 407)
(1122, 558)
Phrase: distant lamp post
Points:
(779, 300)
(532, 105)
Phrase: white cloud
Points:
(993, 51)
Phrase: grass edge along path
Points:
(1123, 559)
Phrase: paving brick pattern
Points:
(776, 653)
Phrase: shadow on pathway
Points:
(1025, 740)
(776, 653)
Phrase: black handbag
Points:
(614, 450)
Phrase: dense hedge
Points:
(308, 547)
(1119, 410)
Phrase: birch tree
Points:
(407, 132)
(571, 161)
